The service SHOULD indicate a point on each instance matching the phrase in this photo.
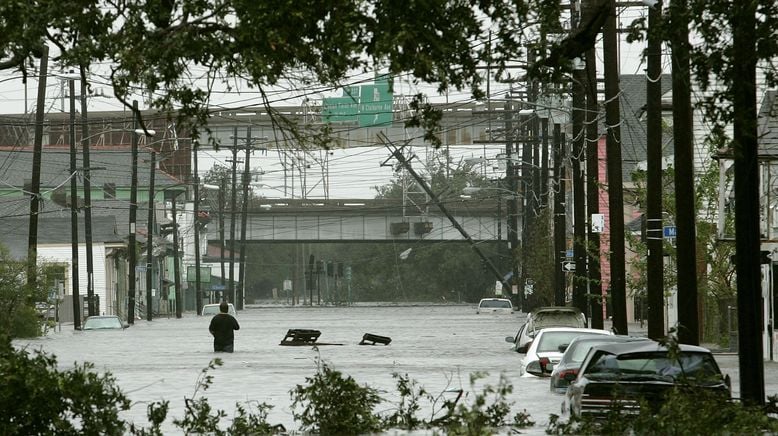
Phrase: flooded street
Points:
(438, 346)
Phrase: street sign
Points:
(569, 253)
(568, 266)
(669, 231)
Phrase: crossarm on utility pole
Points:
(406, 164)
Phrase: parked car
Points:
(546, 348)
(494, 305)
(567, 368)
(103, 322)
(543, 317)
(622, 374)
(213, 309)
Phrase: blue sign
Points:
(669, 231)
(569, 253)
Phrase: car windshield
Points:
(495, 304)
(102, 323)
(578, 350)
(213, 309)
(550, 341)
(700, 367)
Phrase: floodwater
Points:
(438, 346)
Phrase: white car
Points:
(494, 305)
(547, 348)
(213, 309)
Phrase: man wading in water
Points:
(222, 328)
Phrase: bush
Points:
(331, 404)
(38, 399)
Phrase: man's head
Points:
(224, 307)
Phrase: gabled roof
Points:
(632, 104)
(767, 130)
(108, 165)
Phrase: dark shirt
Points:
(222, 327)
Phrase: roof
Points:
(108, 165)
(632, 104)
(767, 130)
(14, 232)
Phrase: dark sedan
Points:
(625, 375)
(567, 368)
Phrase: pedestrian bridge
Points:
(364, 220)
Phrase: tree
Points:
(178, 52)
(18, 317)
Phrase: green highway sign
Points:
(368, 105)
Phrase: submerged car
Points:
(213, 309)
(544, 317)
(567, 369)
(494, 305)
(626, 376)
(103, 322)
(547, 347)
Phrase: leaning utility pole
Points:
(683, 124)
(397, 154)
(654, 236)
(40, 112)
(618, 291)
(747, 234)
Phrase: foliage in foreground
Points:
(684, 412)
(37, 398)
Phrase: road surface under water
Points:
(437, 346)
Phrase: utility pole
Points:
(77, 309)
(579, 196)
(559, 217)
(233, 206)
(198, 291)
(243, 220)
(512, 227)
(176, 266)
(222, 188)
(618, 291)
(133, 211)
(90, 284)
(747, 241)
(593, 187)
(527, 203)
(150, 239)
(40, 112)
(655, 261)
(683, 125)
(423, 184)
